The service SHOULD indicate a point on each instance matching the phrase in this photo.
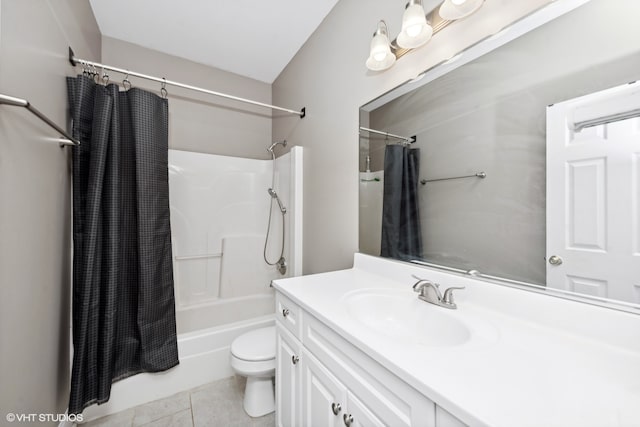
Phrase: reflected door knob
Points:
(555, 260)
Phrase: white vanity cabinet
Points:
(327, 402)
(324, 380)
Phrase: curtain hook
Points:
(163, 89)
(126, 82)
(105, 78)
(95, 74)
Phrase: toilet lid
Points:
(256, 345)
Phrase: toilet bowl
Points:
(253, 355)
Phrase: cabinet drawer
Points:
(390, 399)
(289, 315)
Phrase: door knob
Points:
(348, 419)
(295, 359)
(555, 260)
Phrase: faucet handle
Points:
(420, 283)
(447, 298)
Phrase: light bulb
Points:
(416, 31)
(451, 10)
(380, 55)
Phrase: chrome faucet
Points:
(430, 292)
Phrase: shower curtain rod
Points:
(391, 135)
(18, 102)
(74, 61)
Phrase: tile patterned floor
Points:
(218, 404)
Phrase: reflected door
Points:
(593, 194)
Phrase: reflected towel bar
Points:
(480, 175)
(18, 102)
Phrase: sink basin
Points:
(400, 315)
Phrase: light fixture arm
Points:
(382, 29)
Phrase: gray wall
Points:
(35, 217)
(489, 115)
(200, 122)
(329, 77)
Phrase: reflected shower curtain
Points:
(401, 235)
(123, 300)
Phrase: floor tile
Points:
(157, 409)
(179, 419)
(217, 404)
(121, 419)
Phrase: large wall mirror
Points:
(526, 160)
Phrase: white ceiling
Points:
(253, 38)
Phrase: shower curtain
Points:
(401, 236)
(123, 300)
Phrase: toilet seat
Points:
(255, 346)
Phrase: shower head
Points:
(283, 143)
(274, 195)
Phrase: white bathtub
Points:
(204, 357)
(223, 311)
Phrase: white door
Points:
(287, 379)
(593, 194)
(323, 396)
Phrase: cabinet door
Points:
(358, 415)
(445, 419)
(287, 379)
(323, 396)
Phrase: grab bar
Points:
(18, 102)
(188, 257)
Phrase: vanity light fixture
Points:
(380, 56)
(417, 29)
(458, 9)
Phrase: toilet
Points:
(253, 355)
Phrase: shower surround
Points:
(219, 212)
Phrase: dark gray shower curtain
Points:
(123, 300)
(401, 235)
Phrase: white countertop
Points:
(543, 362)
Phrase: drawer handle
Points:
(348, 419)
(336, 408)
(285, 312)
(295, 359)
